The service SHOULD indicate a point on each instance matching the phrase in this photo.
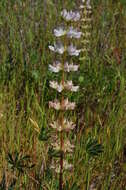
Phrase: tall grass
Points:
(25, 33)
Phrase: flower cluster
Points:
(86, 11)
(57, 67)
(68, 85)
(59, 48)
(64, 105)
(65, 49)
(56, 166)
(67, 125)
(71, 32)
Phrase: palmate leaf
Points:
(93, 148)
(19, 162)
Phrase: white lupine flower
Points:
(73, 33)
(59, 32)
(69, 86)
(56, 166)
(68, 147)
(67, 125)
(58, 48)
(69, 105)
(82, 7)
(73, 51)
(70, 67)
(56, 86)
(67, 166)
(56, 105)
(55, 67)
(88, 4)
(70, 16)
(66, 105)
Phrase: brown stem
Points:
(61, 134)
(61, 164)
(61, 145)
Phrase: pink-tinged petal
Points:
(56, 105)
(58, 32)
(73, 33)
(73, 51)
(55, 67)
(66, 105)
(58, 48)
(67, 125)
(70, 15)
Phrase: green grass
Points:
(25, 33)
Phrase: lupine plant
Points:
(86, 11)
(65, 46)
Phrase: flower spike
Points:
(67, 125)
(70, 15)
(68, 85)
(66, 105)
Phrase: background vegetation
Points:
(100, 155)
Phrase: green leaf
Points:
(93, 148)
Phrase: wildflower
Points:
(67, 125)
(66, 86)
(88, 4)
(58, 48)
(60, 144)
(55, 85)
(56, 166)
(70, 67)
(73, 51)
(56, 105)
(68, 147)
(70, 16)
(73, 33)
(69, 86)
(59, 32)
(67, 166)
(56, 67)
(66, 105)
